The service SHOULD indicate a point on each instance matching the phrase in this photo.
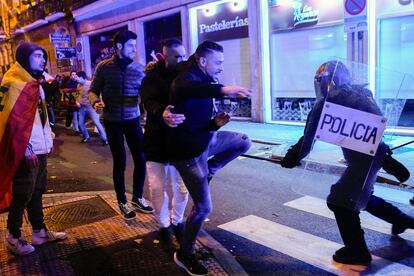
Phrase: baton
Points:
(397, 147)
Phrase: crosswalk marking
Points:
(308, 248)
(393, 194)
(318, 206)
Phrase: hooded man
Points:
(25, 142)
(353, 192)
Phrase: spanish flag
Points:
(19, 96)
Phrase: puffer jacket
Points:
(119, 88)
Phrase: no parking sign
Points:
(355, 15)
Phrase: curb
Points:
(222, 255)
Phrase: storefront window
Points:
(226, 22)
(396, 42)
(171, 28)
(304, 34)
(102, 47)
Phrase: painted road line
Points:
(307, 248)
(394, 195)
(318, 207)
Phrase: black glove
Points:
(395, 168)
(291, 159)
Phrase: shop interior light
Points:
(238, 5)
(210, 10)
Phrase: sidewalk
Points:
(101, 242)
(280, 137)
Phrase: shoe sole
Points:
(57, 240)
(181, 265)
(350, 263)
(141, 210)
(13, 250)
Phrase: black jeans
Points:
(29, 184)
(349, 223)
(132, 131)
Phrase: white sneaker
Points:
(19, 246)
(44, 236)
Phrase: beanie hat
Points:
(23, 53)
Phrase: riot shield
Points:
(348, 131)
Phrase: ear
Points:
(119, 46)
(203, 61)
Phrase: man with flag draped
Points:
(25, 142)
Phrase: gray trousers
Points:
(29, 184)
(224, 146)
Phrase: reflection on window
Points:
(295, 56)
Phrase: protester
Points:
(191, 143)
(25, 142)
(118, 80)
(86, 110)
(154, 93)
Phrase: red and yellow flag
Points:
(19, 95)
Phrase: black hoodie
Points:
(23, 53)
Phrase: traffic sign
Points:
(57, 38)
(355, 7)
(65, 52)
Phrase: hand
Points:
(172, 119)
(236, 92)
(31, 160)
(78, 104)
(222, 119)
(99, 106)
(290, 160)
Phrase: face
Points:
(37, 61)
(212, 64)
(174, 55)
(73, 76)
(128, 49)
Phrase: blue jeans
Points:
(224, 146)
(87, 110)
(132, 132)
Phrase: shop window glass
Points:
(396, 44)
(295, 56)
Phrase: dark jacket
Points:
(119, 85)
(154, 95)
(192, 94)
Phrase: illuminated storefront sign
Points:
(386, 7)
(223, 21)
(286, 15)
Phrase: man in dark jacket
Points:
(118, 80)
(354, 190)
(191, 143)
(154, 94)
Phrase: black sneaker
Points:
(104, 143)
(190, 264)
(178, 231)
(344, 256)
(85, 140)
(142, 205)
(126, 211)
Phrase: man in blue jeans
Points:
(118, 80)
(86, 110)
(192, 143)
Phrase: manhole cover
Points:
(77, 213)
